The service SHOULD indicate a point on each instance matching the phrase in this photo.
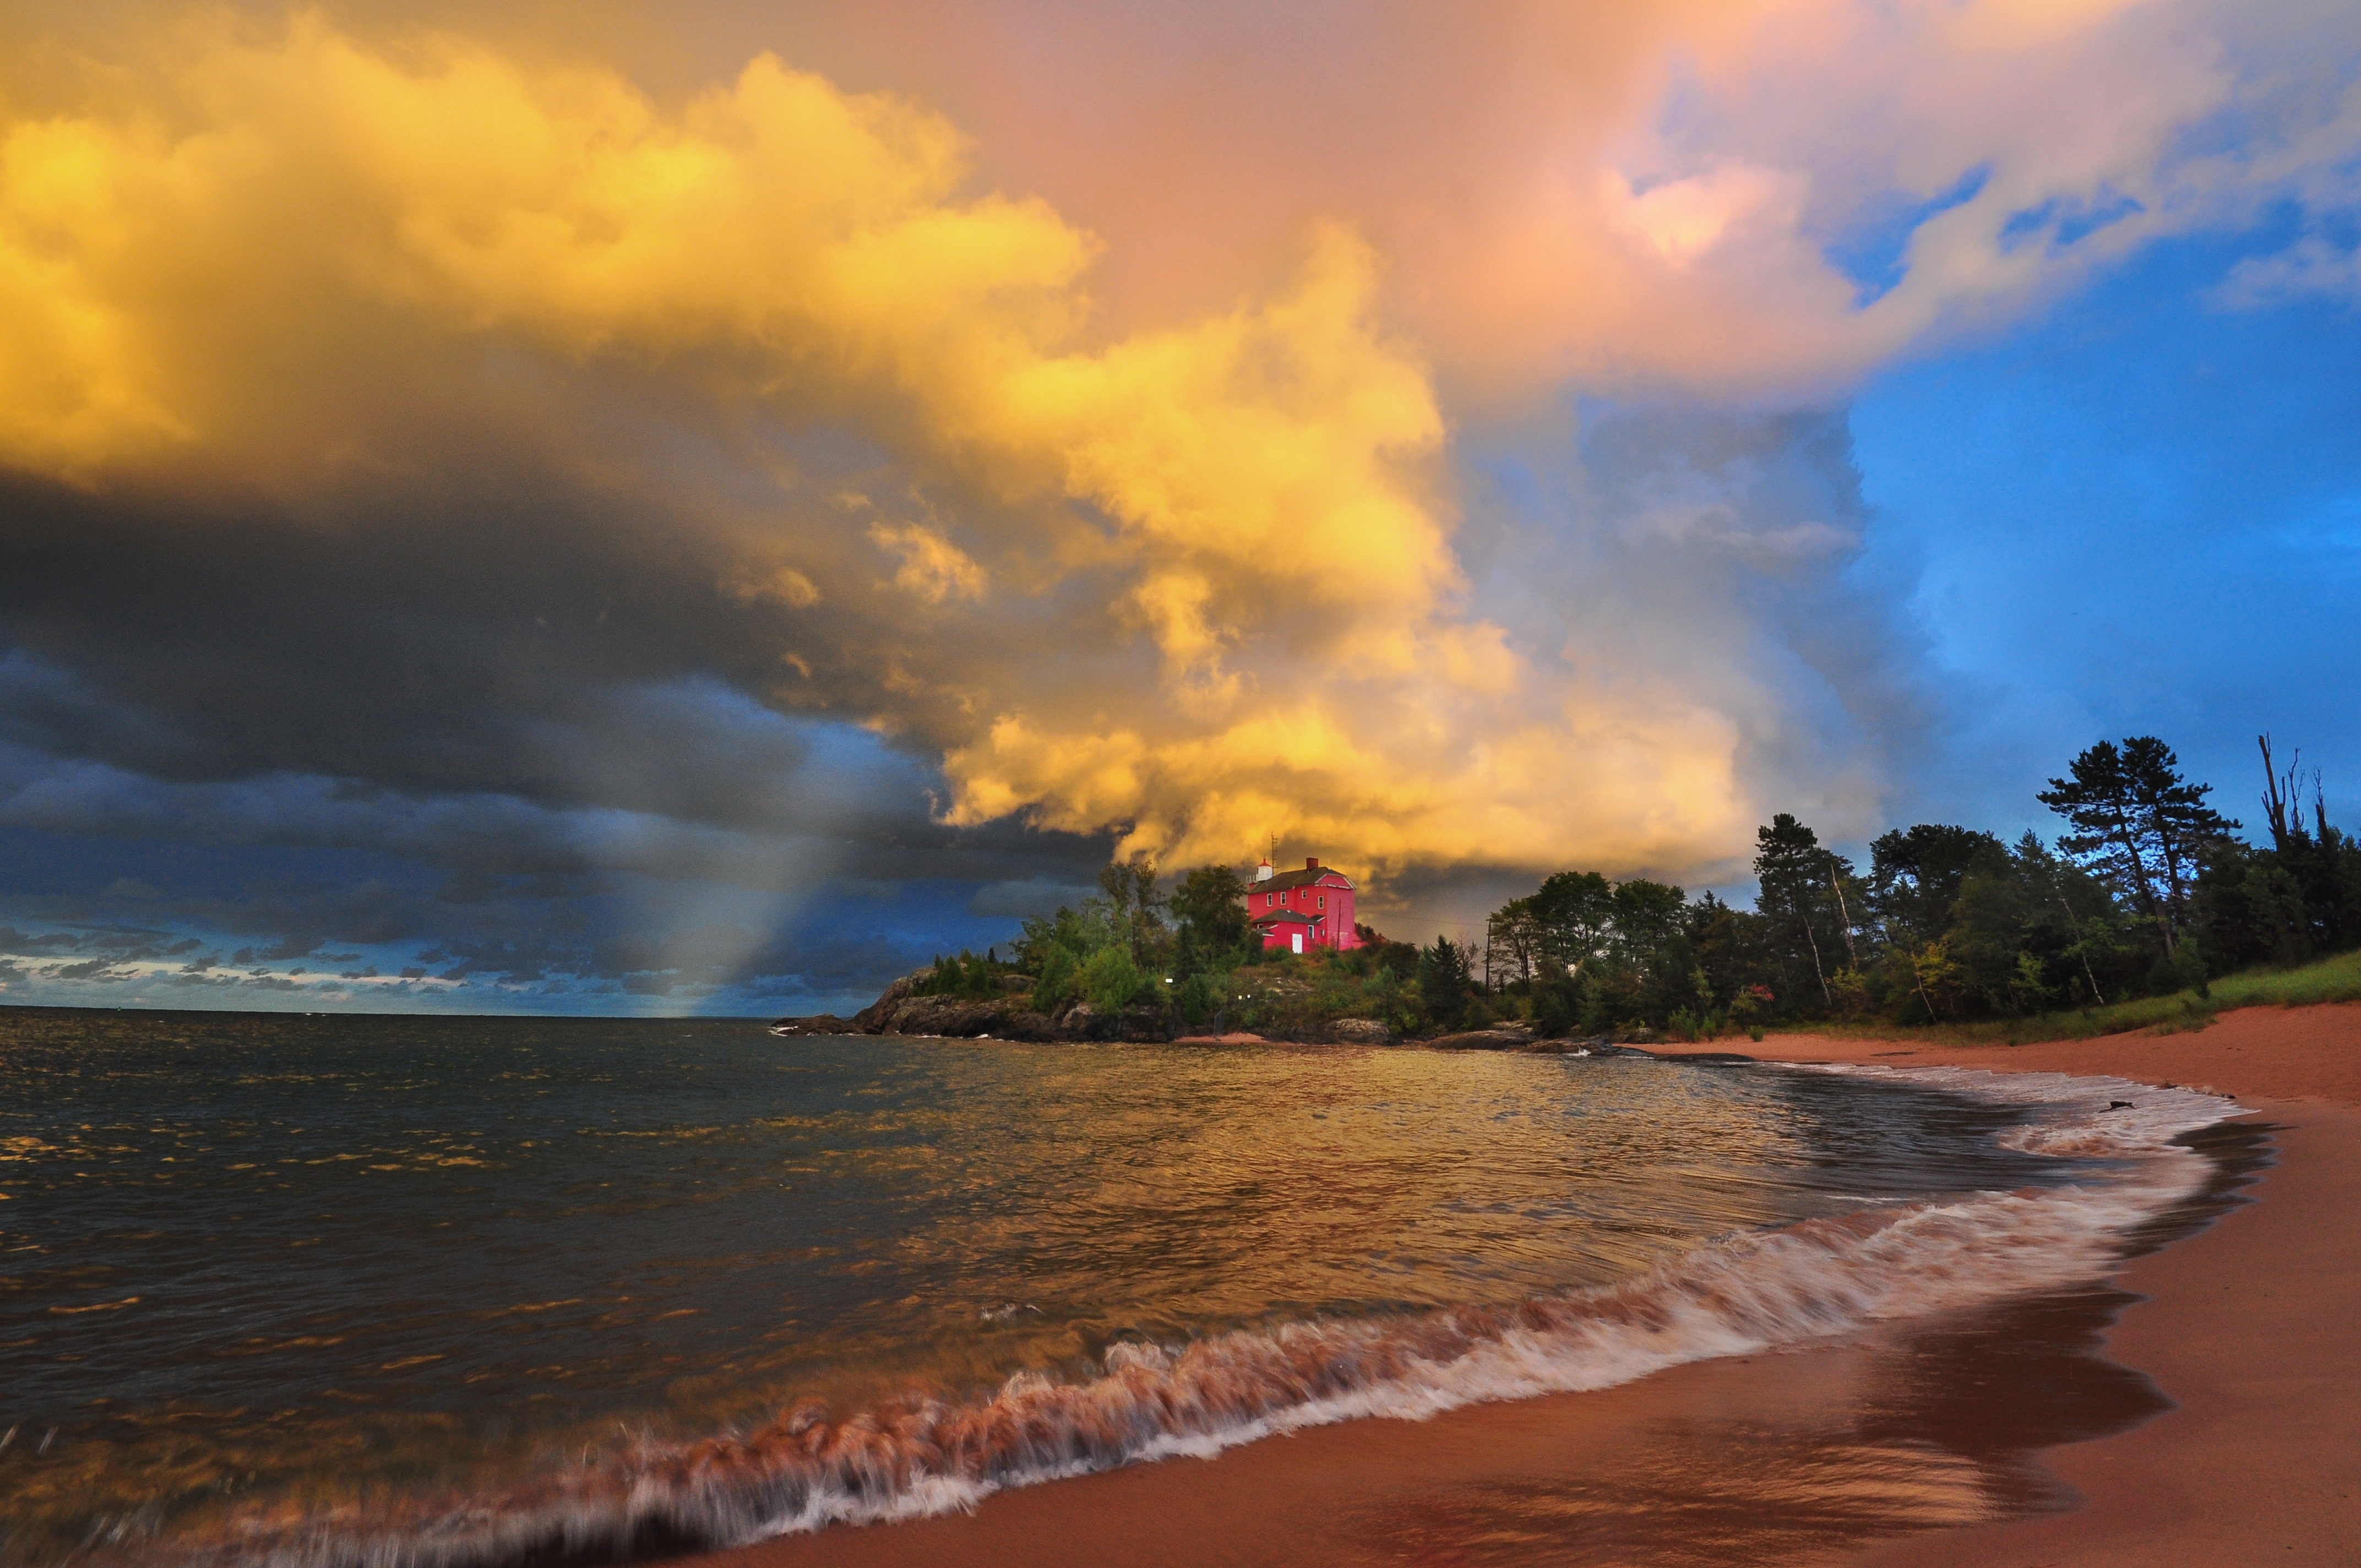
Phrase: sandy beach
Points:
(2198, 1412)
(2250, 1326)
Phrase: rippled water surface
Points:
(287, 1268)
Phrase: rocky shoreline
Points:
(900, 1011)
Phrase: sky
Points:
(699, 508)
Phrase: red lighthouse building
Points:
(1294, 910)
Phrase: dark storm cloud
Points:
(360, 674)
(405, 644)
(678, 935)
(111, 944)
(510, 733)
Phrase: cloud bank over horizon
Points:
(605, 525)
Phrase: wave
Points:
(1742, 1293)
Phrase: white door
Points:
(1298, 941)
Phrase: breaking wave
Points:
(1743, 1293)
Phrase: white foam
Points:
(1740, 1294)
(2070, 1116)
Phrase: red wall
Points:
(1335, 919)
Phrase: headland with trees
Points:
(2130, 917)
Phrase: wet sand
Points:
(2253, 1326)
(2202, 1412)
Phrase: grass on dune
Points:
(2328, 980)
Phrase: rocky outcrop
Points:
(1570, 1046)
(899, 1011)
(878, 1017)
(1509, 1038)
(949, 1016)
(1148, 1025)
(817, 1023)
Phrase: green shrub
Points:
(1198, 997)
(1697, 1026)
(1553, 1011)
(1111, 981)
(1056, 986)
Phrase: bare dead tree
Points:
(1836, 880)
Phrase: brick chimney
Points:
(1311, 865)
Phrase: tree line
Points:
(2146, 890)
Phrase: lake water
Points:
(456, 1291)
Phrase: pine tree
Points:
(1797, 894)
(2141, 824)
(1915, 878)
(1648, 916)
(1445, 973)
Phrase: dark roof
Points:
(1283, 918)
(1281, 882)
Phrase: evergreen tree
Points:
(1730, 945)
(1647, 915)
(2074, 916)
(1796, 895)
(1986, 938)
(1444, 974)
(1209, 903)
(2141, 824)
(1198, 997)
(2249, 908)
(1914, 876)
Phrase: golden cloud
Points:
(255, 256)
(933, 568)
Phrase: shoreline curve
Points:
(2243, 1326)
